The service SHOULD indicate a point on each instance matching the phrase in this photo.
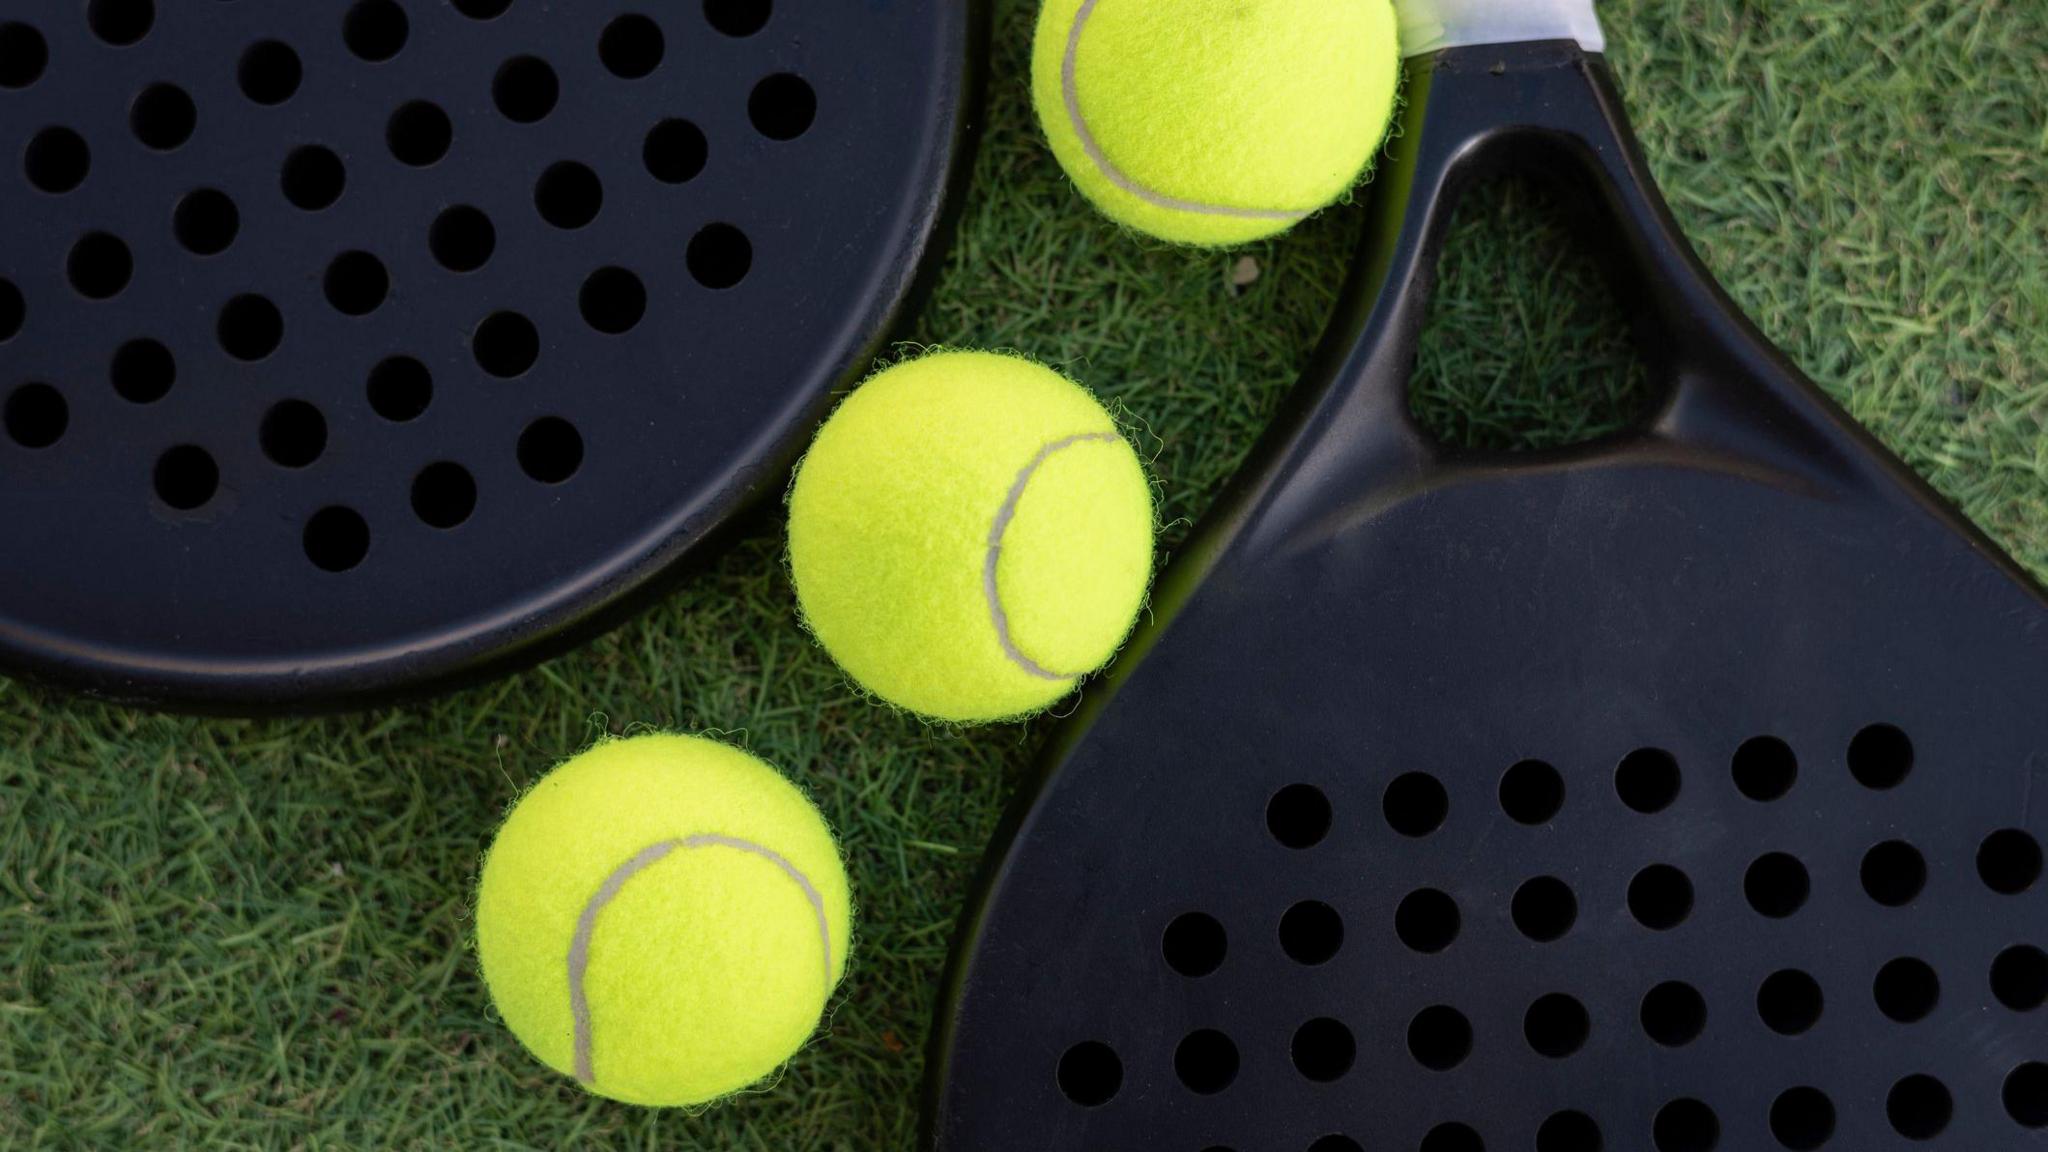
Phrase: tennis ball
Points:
(663, 918)
(1215, 122)
(969, 536)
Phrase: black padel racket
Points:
(1680, 792)
(348, 348)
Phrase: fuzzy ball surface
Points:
(1215, 122)
(970, 535)
(663, 918)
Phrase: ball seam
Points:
(1070, 91)
(586, 924)
(1004, 515)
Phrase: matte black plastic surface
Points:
(349, 348)
(1680, 792)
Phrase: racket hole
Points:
(675, 151)
(250, 327)
(1776, 885)
(550, 450)
(1451, 1136)
(1415, 804)
(163, 117)
(1311, 932)
(336, 538)
(1569, 1131)
(631, 46)
(400, 388)
(36, 415)
(1090, 1074)
(1556, 365)
(1673, 1014)
(375, 30)
(1298, 816)
(782, 106)
(568, 195)
(2009, 861)
(1803, 1119)
(121, 22)
(356, 283)
(525, 89)
(99, 266)
(143, 371)
(1556, 1026)
(1544, 909)
(1660, 897)
(1906, 990)
(206, 222)
(506, 345)
(1427, 920)
(2019, 978)
(443, 495)
(720, 256)
(1894, 873)
(293, 434)
(313, 178)
(57, 160)
(738, 17)
(23, 54)
(2026, 1095)
(1647, 780)
(1531, 792)
(1335, 1142)
(1323, 1050)
(1206, 1062)
(1880, 757)
(1686, 1125)
(1789, 1002)
(1764, 768)
(612, 301)
(270, 72)
(482, 9)
(13, 310)
(419, 133)
(1439, 1037)
(462, 239)
(1919, 1107)
(186, 477)
(1194, 944)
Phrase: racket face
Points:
(1675, 793)
(356, 347)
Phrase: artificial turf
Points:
(255, 934)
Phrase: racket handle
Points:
(1548, 110)
(1430, 26)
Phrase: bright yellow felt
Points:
(1203, 111)
(890, 520)
(707, 970)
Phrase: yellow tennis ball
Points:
(1215, 121)
(970, 535)
(663, 918)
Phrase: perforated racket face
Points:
(350, 346)
(1680, 794)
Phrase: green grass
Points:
(253, 934)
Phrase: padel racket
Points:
(1682, 791)
(351, 348)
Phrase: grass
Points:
(253, 934)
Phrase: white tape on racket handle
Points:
(1433, 25)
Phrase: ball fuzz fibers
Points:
(970, 535)
(1215, 122)
(663, 918)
